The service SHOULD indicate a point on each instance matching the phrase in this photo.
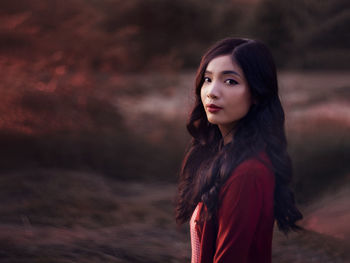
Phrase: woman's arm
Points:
(240, 210)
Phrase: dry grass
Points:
(81, 217)
(103, 192)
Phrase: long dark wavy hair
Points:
(208, 162)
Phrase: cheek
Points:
(240, 103)
(249, 99)
(246, 103)
(202, 95)
(246, 98)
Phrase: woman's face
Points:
(225, 93)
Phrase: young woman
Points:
(235, 176)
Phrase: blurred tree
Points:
(311, 34)
(165, 34)
(271, 25)
(178, 31)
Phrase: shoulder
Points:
(255, 169)
(258, 166)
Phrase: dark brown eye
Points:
(231, 82)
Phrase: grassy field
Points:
(83, 217)
(102, 188)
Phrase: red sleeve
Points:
(241, 202)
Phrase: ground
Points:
(129, 222)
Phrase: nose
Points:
(211, 96)
(213, 91)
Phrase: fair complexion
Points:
(225, 94)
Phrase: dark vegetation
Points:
(165, 35)
(321, 162)
(305, 34)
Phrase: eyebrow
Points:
(225, 72)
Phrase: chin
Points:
(215, 122)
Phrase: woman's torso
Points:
(242, 228)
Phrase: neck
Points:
(228, 138)
(227, 134)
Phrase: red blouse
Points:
(242, 229)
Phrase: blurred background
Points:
(94, 99)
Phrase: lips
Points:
(212, 108)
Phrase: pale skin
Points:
(225, 94)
